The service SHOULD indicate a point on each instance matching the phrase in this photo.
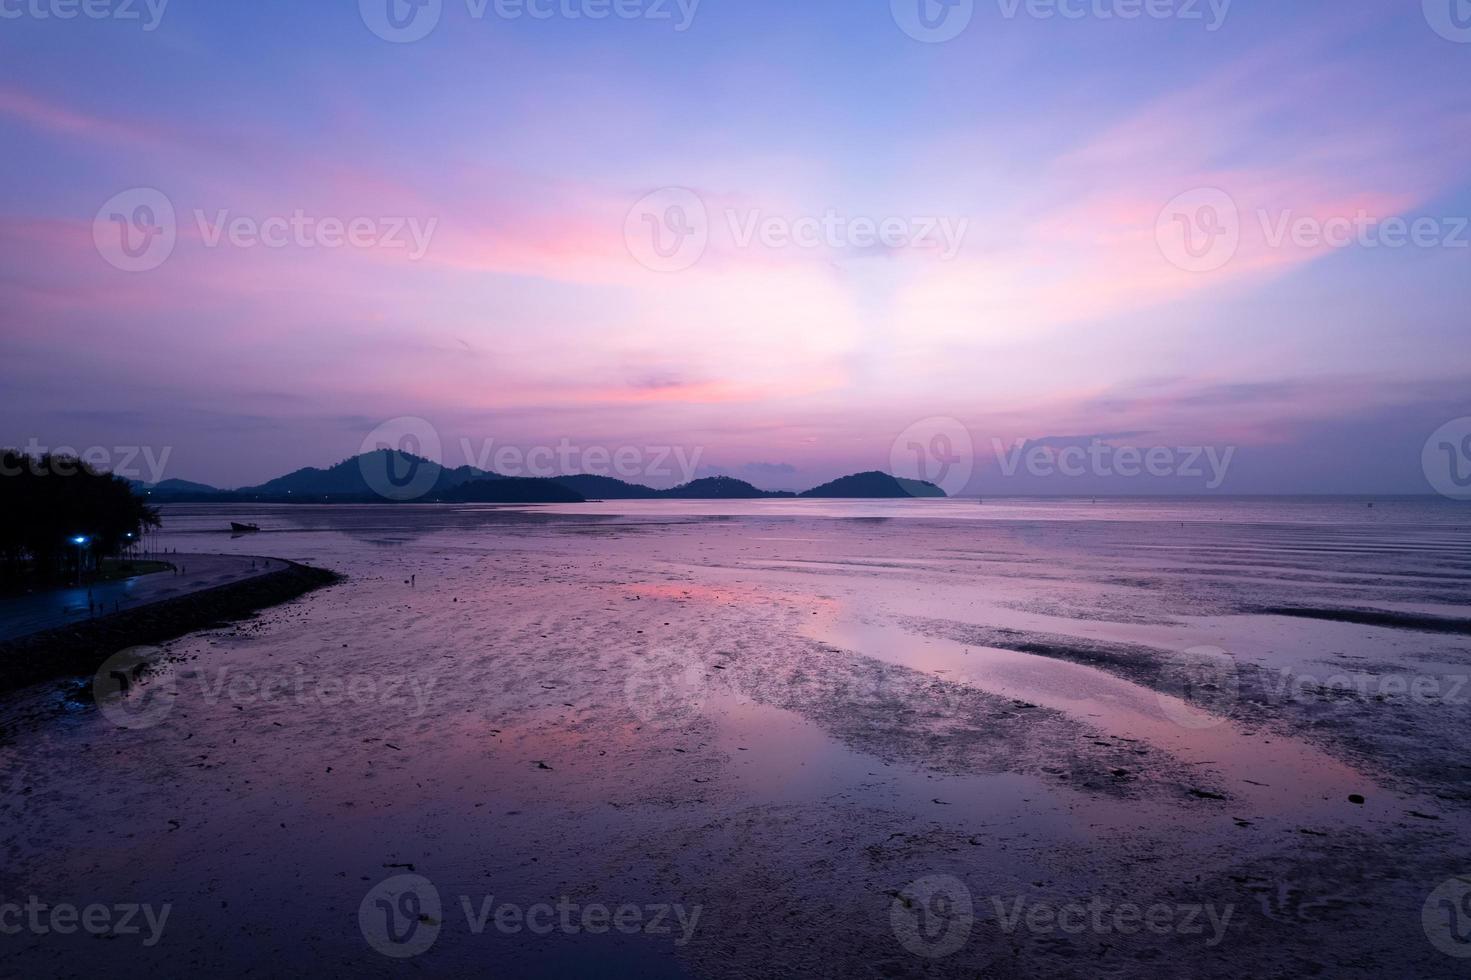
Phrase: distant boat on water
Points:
(244, 528)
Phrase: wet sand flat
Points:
(869, 739)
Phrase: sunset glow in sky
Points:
(1044, 162)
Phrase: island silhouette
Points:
(359, 479)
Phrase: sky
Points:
(778, 240)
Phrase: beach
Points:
(870, 738)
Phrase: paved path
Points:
(27, 614)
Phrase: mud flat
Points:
(859, 742)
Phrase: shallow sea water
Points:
(783, 717)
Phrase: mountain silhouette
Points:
(606, 488)
(718, 488)
(172, 488)
(350, 478)
(875, 485)
(359, 479)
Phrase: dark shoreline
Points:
(79, 648)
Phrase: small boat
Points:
(244, 528)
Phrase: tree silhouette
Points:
(47, 501)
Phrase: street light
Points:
(81, 542)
